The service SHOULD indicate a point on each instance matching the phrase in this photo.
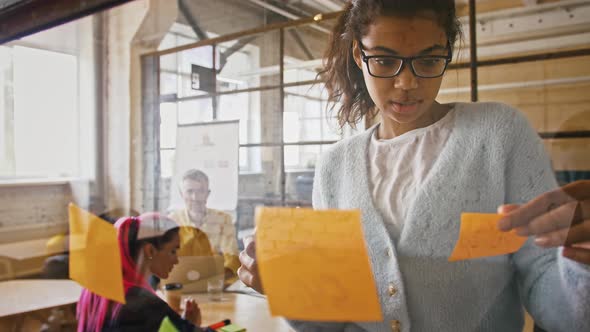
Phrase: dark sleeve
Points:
(181, 324)
(145, 312)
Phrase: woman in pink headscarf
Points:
(148, 245)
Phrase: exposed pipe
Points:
(301, 44)
(518, 85)
(214, 99)
(273, 70)
(99, 25)
(317, 63)
(238, 45)
(192, 21)
(236, 35)
(473, 50)
(507, 13)
(525, 58)
(283, 177)
(286, 14)
(275, 9)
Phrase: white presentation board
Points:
(212, 147)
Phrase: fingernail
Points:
(542, 240)
(504, 224)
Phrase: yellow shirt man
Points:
(217, 229)
(217, 225)
(193, 241)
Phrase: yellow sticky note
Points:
(95, 260)
(479, 237)
(314, 265)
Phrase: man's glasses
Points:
(424, 66)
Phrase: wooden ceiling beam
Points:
(19, 18)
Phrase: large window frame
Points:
(152, 104)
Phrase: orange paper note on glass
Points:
(479, 237)
(95, 260)
(314, 265)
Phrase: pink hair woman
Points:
(148, 246)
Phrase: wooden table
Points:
(27, 249)
(24, 258)
(247, 311)
(25, 297)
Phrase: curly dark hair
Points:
(344, 80)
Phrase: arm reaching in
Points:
(558, 218)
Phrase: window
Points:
(307, 119)
(40, 116)
(182, 108)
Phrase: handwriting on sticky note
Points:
(480, 237)
(314, 265)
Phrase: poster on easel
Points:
(211, 147)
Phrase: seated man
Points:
(217, 225)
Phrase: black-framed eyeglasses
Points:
(424, 66)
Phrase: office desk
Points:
(24, 258)
(25, 296)
(29, 298)
(27, 249)
(247, 311)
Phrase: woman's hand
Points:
(192, 313)
(248, 272)
(557, 218)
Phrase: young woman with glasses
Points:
(424, 163)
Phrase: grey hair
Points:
(195, 175)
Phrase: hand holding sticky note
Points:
(479, 237)
(314, 265)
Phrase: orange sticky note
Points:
(314, 265)
(479, 237)
(95, 260)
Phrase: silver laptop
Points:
(193, 272)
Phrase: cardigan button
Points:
(387, 252)
(396, 326)
(391, 290)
